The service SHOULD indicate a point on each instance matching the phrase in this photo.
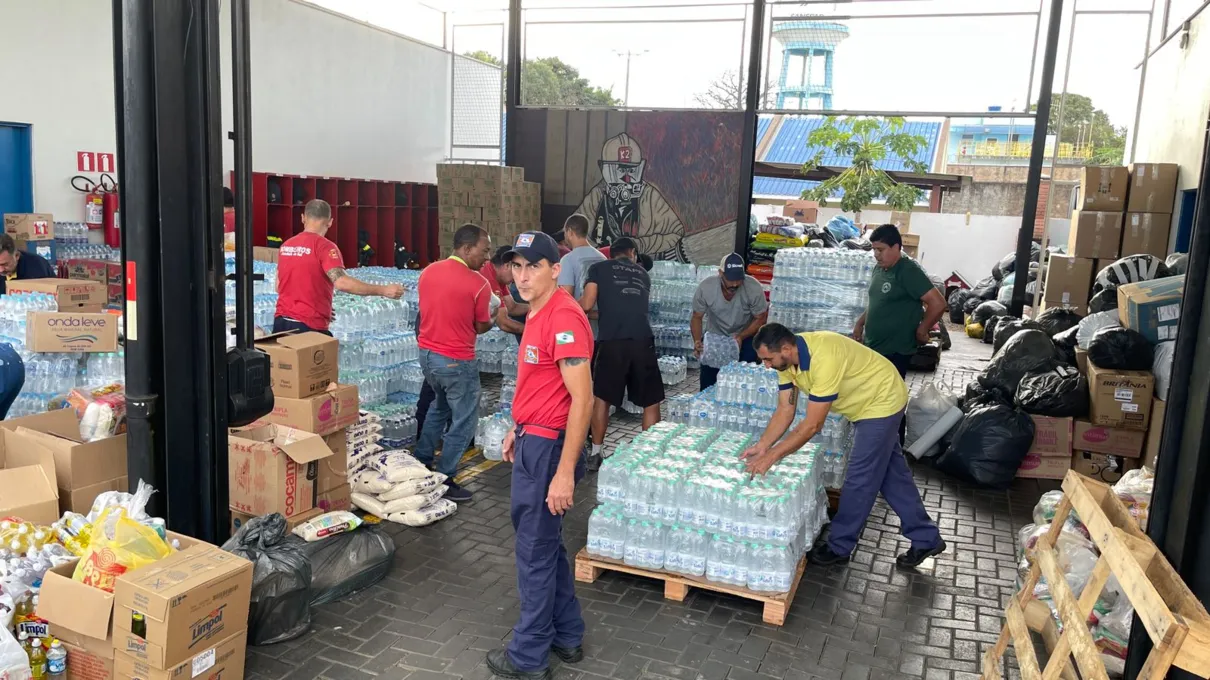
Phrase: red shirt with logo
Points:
(489, 272)
(304, 291)
(558, 331)
(452, 299)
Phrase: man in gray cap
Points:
(732, 304)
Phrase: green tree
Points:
(1086, 125)
(550, 81)
(867, 141)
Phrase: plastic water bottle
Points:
(598, 531)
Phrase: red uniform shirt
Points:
(304, 291)
(489, 272)
(558, 331)
(452, 299)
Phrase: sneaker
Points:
(568, 654)
(912, 558)
(499, 663)
(594, 463)
(822, 555)
(456, 493)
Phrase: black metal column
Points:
(1037, 153)
(241, 80)
(512, 83)
(747, 154)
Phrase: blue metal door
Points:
(16, 173)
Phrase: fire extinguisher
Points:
(101, 207)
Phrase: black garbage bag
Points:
(1008, 264)
(986, 289)
(1066, 343)
(281, 579)
(346, 563)
(972, 303)
(1057, 319)
(1029, 351)
(988, 446)
(1121, 349)
(978, 395)
(992, 325)
(1130, 269)
(1177, 263)
(821, 234)
(957, 303)
(856, 244)
(1061, 393)
(987, 310)
(1008, 329)
(1104, 301)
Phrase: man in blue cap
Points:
(730, 304)
(551, 406)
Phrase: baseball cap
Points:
(622, 245)
(534, 246)
(733, 267)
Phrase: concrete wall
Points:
(330, 96)
(1000, 190)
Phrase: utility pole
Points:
(628, 54)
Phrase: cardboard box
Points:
(264, 254)
(86, 661)
(71, 332)
(1153, 187)
(1052, 436)
(300, 364)
(334, 471)
(82, 469)
(1145, 234)
(321, 414)
(1108, 440)
(1096, 235)
(274, 469)
(190, 600)
(1152, 308)
(1044, 467)
(101, 271)
(27, 480)
(339, 498)
(225, 660)
(1120, 399)
(71, 295)
(1104, 188)
(47, 250)
(30, 226)
(1082, 359)
(1068, 280)
(1103, 467)
(806, 212)
(1155, 433)
(239, 519)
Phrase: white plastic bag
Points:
(1162, 368)
(412, 487)
(369, 504)
(14, 664)
(1092, 323)
(427, 515)
(1134, 490)
(415, 502)
(923, 410)
(399, 466)
(328, 524)
(370, 482)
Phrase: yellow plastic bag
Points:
(116, 545)
(975, 330)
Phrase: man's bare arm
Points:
(347, 284)
(506, 324)
(751, 329)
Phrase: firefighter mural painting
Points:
(623, 204)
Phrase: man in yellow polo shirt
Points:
(839, 374)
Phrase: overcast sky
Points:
(917, 64)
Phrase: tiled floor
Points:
(452, 596)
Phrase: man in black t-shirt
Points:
(19, 264)
(624, 363)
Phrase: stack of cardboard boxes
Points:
(294, 460)
(1123, 211)
(33, 233)
(108, 274)
(494, 197)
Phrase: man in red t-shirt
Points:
(309, 270)
(551, 406)
(456, 305)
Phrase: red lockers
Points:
(388, 213)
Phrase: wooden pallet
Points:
(1176, 622)
(833, 499)
(676, 586)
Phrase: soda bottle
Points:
(37, 659)
(56, 661)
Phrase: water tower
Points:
(808, 49)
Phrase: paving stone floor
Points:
(452, 596)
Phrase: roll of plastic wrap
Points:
(935, 433)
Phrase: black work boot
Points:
(499, 663)
(568, 654)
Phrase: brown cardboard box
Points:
(239, 519)
(1108, 440)
(1145, 234)
(225, 660)
(27, 480)
(1153, 307)
(30, 226)
(82, 469)
(1052, 436)
(1102, 467)
(1095, 235)
(339, 498)
(1044, 467)
(1153, 187)
(273, 469)
(1155, 433)
(1068, 280)
(1082, 359)
(324, 413)
(71, 332)
(264, 254)
(334, 470)
(71, 295)
(1104, 188)
(300, 364)
(1120, 399)
(805, 212)
(85, 663)
(190, 600)
(101, 271)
